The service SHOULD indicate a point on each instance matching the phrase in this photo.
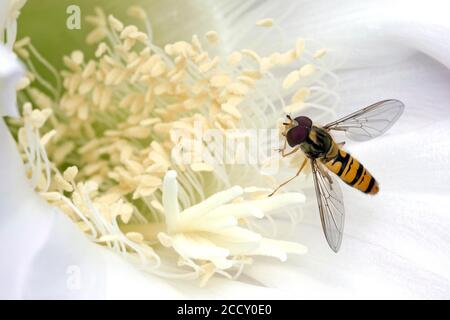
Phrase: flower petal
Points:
(360, 32)
(39, 244)
(11, 71)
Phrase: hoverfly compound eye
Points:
(299, 133)
(296, 135)
(304, 122)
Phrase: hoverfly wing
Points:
(331, 205)
(369, 122)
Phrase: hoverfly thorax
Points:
(299, 131)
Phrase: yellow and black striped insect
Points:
(325, 155)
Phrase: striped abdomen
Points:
(351, 171)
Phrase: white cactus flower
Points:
(11, 72)
(105, 208)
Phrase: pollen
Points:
(252, 54)
(198, 167)
(23, 83)
(267, 23)
(115, 23)
(212, 36)
(234, 58)
(299, 47)
(137, 12)
(307, 70)
(293, 108)
(135, 237)
(300, 95)
(291, 79)
(70, 173)
(220, 80)
(320, 53)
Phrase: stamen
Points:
(49, 67)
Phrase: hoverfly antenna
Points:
(286, 124)
(289, 117)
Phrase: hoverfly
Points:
(325, 155)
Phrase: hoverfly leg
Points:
(289, 180)
(290, 152)
(282, 150)
(284, 147)
(341, 144)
